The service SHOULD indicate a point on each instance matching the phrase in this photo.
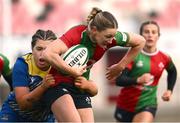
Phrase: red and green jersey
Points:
(136, 97)
(4, 65)
(78, 35)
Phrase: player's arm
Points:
(52, 55)
(26, 98)
(87, 85)
(171, 80)
(172, 76)
(136, 43)
(125, 80)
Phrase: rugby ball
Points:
(76, 56)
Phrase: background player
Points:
(5, 70)
(30, 81)
(137, 101)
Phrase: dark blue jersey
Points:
(27, 74)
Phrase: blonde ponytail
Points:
(92, 14)
(101, 20)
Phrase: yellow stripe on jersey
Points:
(33, 69)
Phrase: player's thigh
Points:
(144, 116)
(64, 109)
(84, 107)
(86, 114)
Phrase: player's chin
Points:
(43, 66)
(165, 98)
(150, 44)
(104, 46)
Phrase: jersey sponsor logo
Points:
(139, 63)
(124, 37)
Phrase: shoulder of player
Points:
(3, 57)
(73, 36)
(79, 28)
(164, 54)
(24, 59)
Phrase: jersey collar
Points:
(150, 54)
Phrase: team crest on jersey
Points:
(161, 66)
(33, 79)
(139, 63)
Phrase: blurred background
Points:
(19, 20)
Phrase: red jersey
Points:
(136, 97)
(1, 64)
(78, 35)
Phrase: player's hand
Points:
(113, 71)
(78, 71)
(48, 81)
(145, 79)
(167, 95)
(86, 85)
(81, 82)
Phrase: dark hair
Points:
(101, 19)
(146, 23)
(42, 35)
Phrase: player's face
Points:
(103, 38)
(151, 34)
(37, 54)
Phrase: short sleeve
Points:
(20, 74)
(122, 38)
(170, 63)
(73, 36)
